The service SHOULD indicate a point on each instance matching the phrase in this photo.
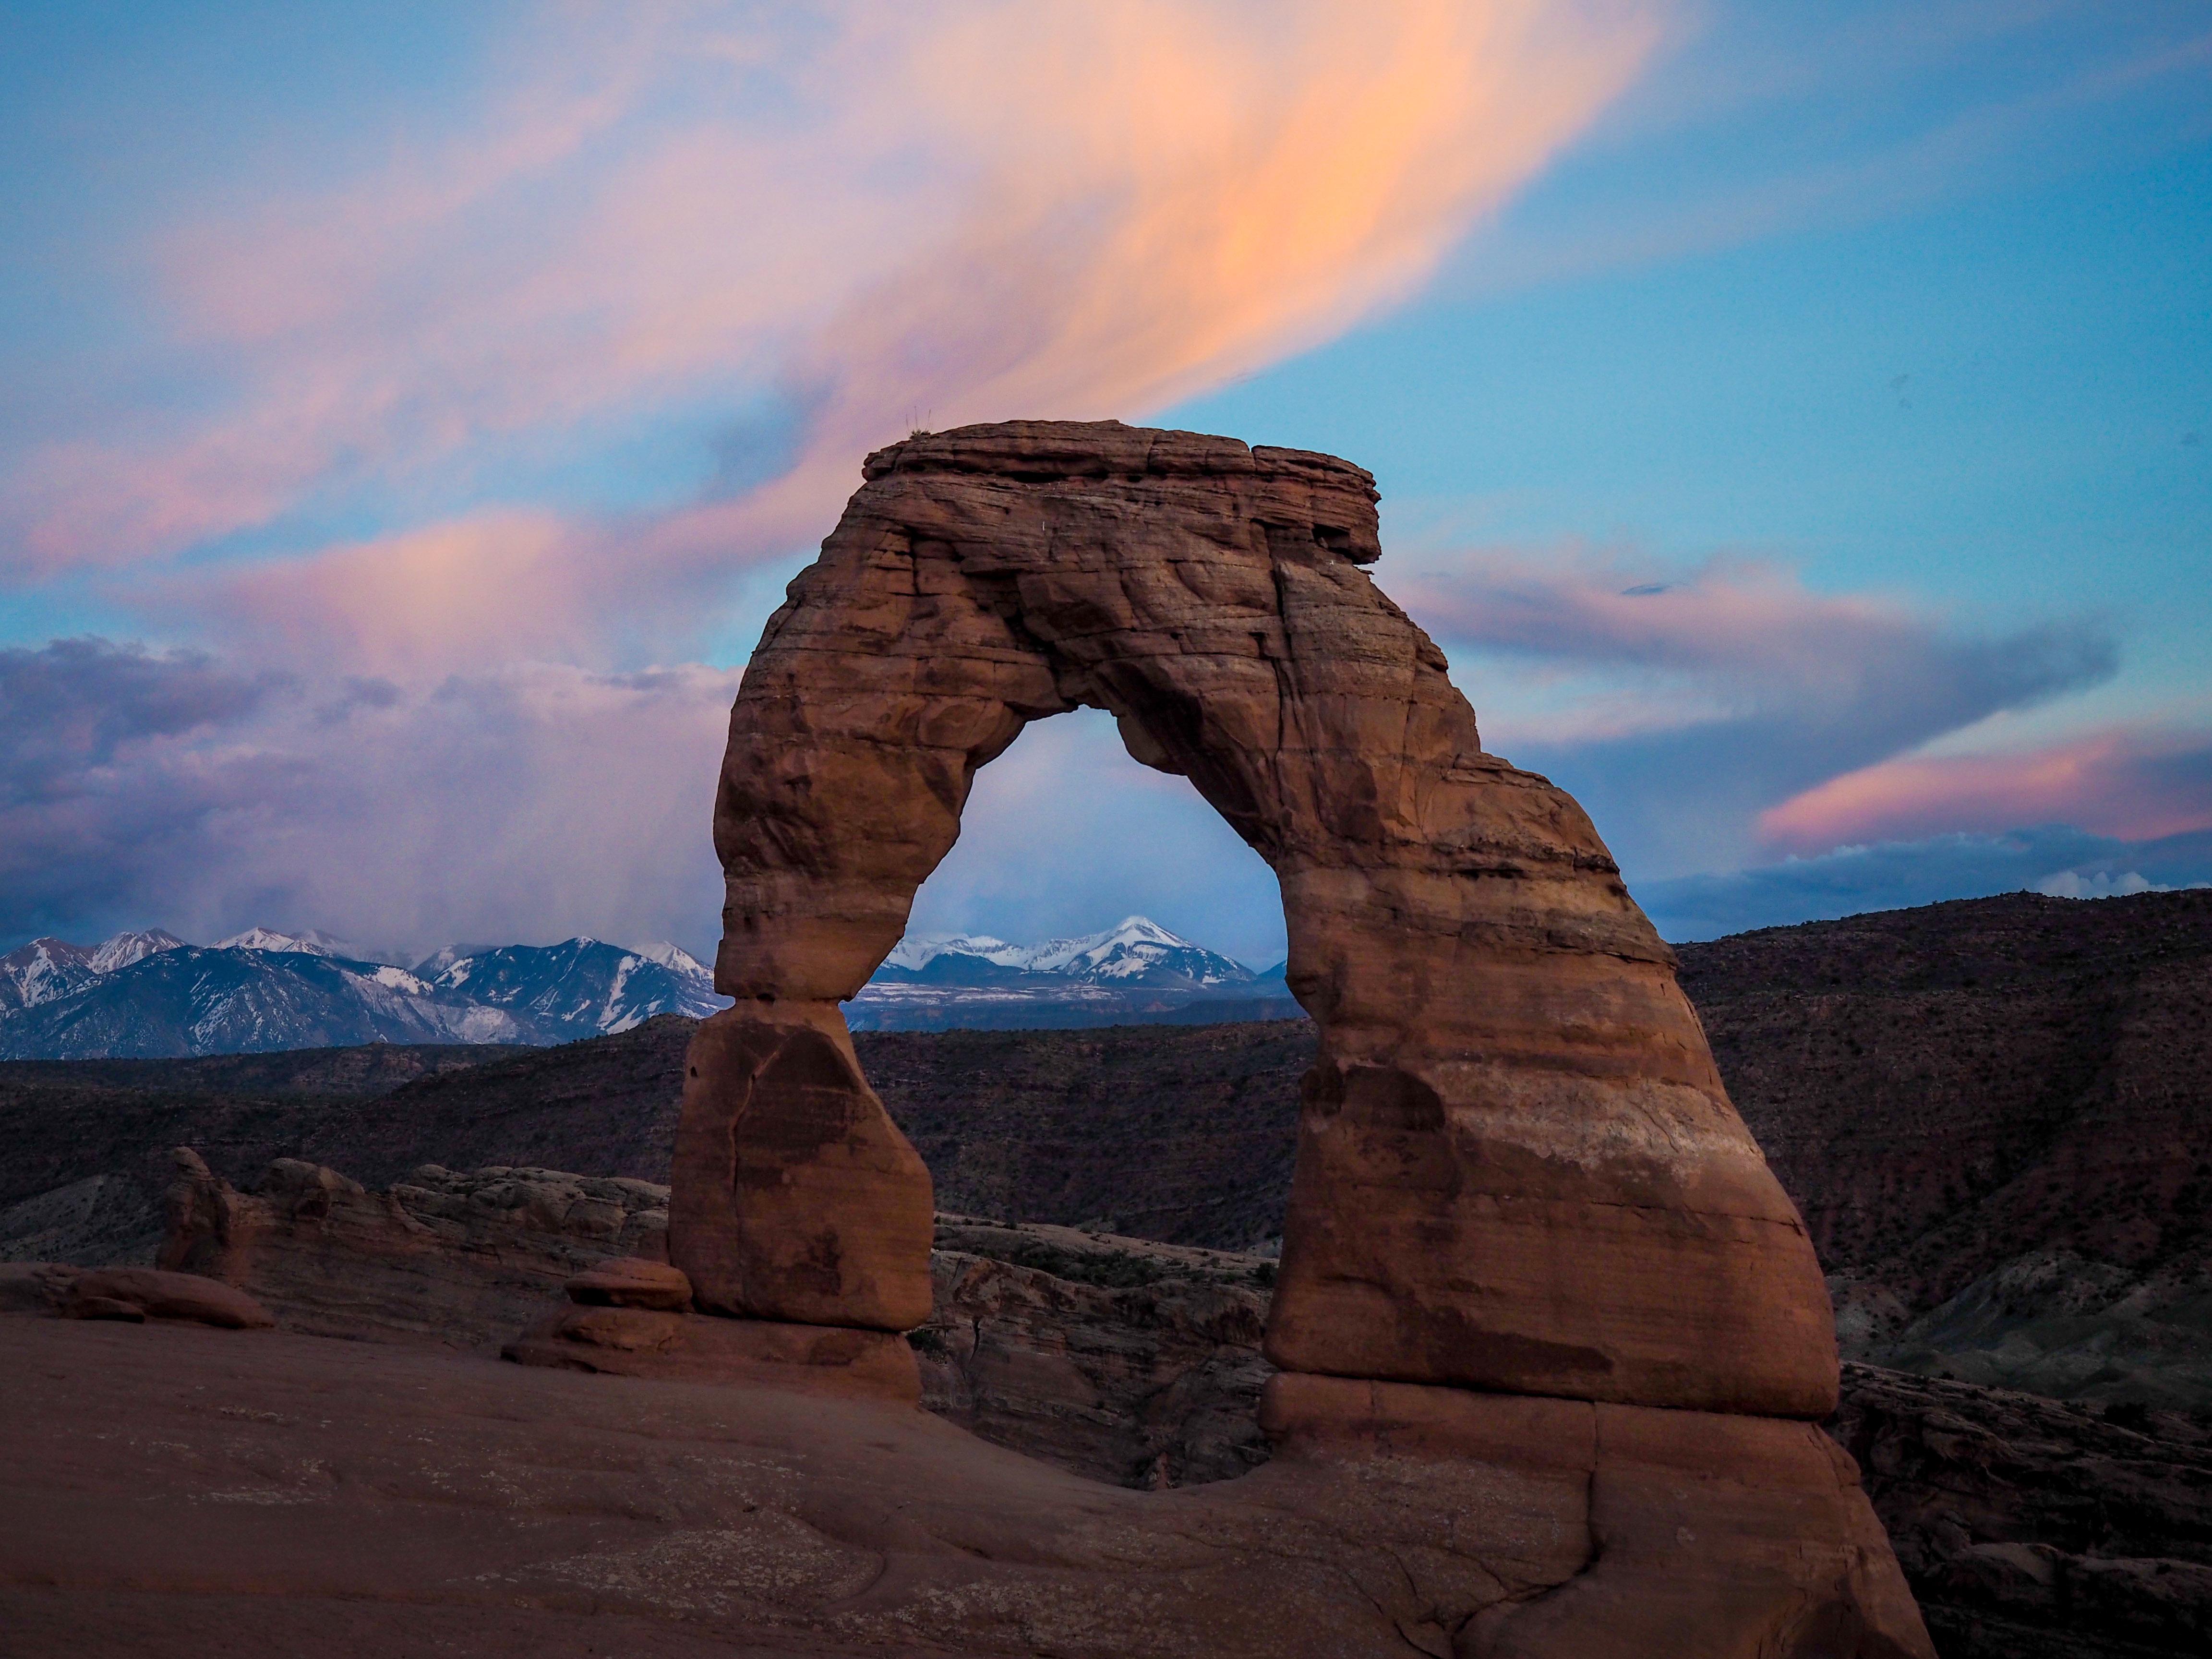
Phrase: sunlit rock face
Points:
(1517, 1168)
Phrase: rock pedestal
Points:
(793, 1195)
(1517, 1168)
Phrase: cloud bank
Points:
(2056, 861)
(526, 802)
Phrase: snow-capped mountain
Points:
(1135, 952)
(47, 969)
(579, 987)
(676, 959)
(193, 1001)
(123, 949)
(313, 943)
(1134, 972)
(265, 989)
(42, 970)
(150, 994)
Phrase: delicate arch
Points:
(1517, 1168)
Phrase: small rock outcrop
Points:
(151, 1293)
(459, 1258)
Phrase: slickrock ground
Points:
(172, 1490)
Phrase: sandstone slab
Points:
(36, 1286)
(628, 1341)
(102, 1292)
(1713, 1533)
(1518, 1169)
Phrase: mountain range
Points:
(1135, 973)
(150, 994)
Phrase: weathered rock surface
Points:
(36, 1286)
(1747, 1535)
(631, 1281)
(165, 1491)
(1114, 1357)
(1517, 1168)
(686, 1347)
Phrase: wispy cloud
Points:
(1680, 704)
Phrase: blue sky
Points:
(1794, 423)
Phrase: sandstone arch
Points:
(1518, 1169)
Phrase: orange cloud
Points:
(2135, 786)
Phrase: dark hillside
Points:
(1945, 1089)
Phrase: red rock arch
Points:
(1517, 1168)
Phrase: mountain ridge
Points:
(263, 991)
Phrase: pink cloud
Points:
(2134, 785)
(930, 215)
(1680, 704)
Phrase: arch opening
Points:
(1067, 834)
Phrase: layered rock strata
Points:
(1518, 1169)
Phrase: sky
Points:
(1794, 423)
